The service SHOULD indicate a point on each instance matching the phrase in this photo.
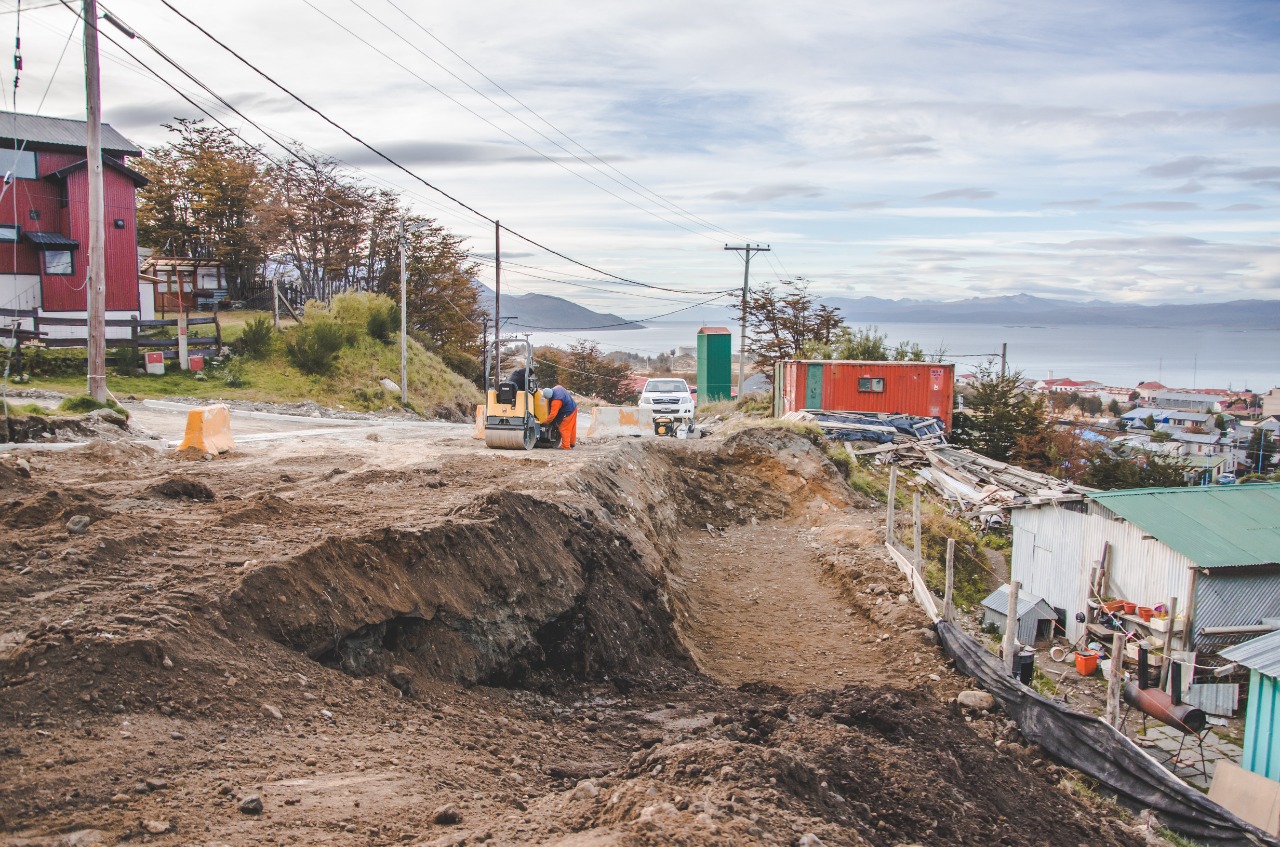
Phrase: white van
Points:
(668, 396)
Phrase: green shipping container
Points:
(715, 364)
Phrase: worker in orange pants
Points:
(562, 410)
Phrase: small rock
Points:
(120, 798)
(373, 436)
(24, 467)
(78, 525)
(447, 815)
(272, 712)
(156, 784)
(251, 804)
(974, 699)
(454, 839)
(156, 827)
(585, 790)
(388, 385)
(167, 663)
(809, 840)
(935, 677)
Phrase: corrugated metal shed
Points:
(1031, 611)
(63, 132)
(1261, 654)
(1213, 526)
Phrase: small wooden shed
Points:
(1035, 616)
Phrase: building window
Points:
(19, 163)
(58, 263)
(10, 232)
(873, 384)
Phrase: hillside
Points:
(544, 312)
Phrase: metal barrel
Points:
(1185, 718)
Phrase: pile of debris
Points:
(874, 427)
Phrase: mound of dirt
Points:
(52, 507)
(261, 509)
(183, 488)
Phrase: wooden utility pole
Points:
(275, 301)
(746, 252)
(915, 531)
(404, 320)
(96, 289)
(497, 303)
(1009, 647)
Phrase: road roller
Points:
(514, 407)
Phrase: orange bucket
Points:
(1086, 662)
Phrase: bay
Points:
(1119, 356)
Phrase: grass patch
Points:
(972, 574)
(83, 404)
(16, 409)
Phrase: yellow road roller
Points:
(513, 407)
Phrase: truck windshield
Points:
(665, 386)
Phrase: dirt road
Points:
(330, 639)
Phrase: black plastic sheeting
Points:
(1098, 750)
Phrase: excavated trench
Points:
(524, 587)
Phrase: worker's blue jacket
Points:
(567, 404)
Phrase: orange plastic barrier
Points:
(479, 433)
(620, 420)
(209, 430)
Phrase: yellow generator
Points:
(513, 410)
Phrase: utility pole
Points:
(404, 321)
(96, 290)
(497, 303)
(1004, 359)
(746, 252)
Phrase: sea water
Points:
(1112, 355)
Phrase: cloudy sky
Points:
(941, 150)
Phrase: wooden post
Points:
(275, 302)
(1009, 648)
(96, 282)
(1115, 680)
(889, 533)
(948, 602)
(1172, 606)
(1188, 643)
(915, 530)
(1104, 570)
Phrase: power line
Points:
(404, 169)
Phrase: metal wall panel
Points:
(1237, 596)
(67, 293)
(1054, 550)
(1261, 735)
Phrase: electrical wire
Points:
(406, 170)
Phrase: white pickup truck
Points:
(668, 397)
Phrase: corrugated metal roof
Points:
(15, 126)
(51, 239)
(1213, 526)
(998, 601)
(1261, 654)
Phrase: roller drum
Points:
(509, 439)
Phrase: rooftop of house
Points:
(1213, 526)
(65, 133)
(1261, 654)
(1189, 396)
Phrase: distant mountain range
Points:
(1026, 309)
(535, 312)
(544, 312)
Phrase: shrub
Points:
(314, 346)
(83, 404)
(128, 360)
(257, 338)
(363, 312)
(235, 377)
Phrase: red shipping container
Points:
(926, 389)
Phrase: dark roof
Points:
(16, 128)
(55, 240)
(138, 179)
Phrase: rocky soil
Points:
(679, 643)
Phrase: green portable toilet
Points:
(715, 364)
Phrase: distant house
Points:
(1215, 548)
(1148, 390)
(1067, 386)
(1270, 402)
(1189, 401)
(44, 220)
(187, 283)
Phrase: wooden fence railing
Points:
(36, 331)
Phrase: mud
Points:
(657, 643)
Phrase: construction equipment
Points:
(512, 412)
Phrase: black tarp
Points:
(1098, 750)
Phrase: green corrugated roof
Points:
(1213, 525)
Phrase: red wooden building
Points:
(926, 389)
(44, 221)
